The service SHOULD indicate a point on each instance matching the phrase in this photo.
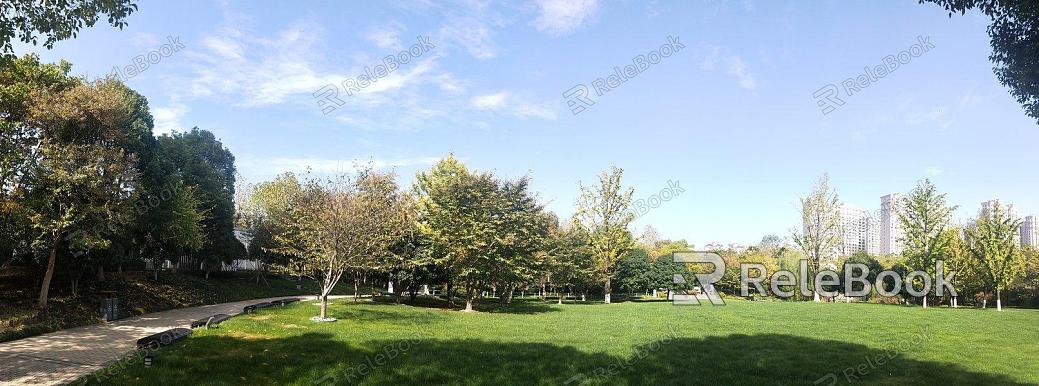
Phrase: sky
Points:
(729, 114)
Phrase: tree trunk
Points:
(925, 301)
(816, 296)
(46, 286)
(357, 283)
(606, 291)
(561, 296)
(100, 273)
(324, 306)
(450, 299)
(999, 301)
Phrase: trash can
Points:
(110, 306)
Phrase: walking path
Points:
(64, 356)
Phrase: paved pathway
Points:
(64, 356)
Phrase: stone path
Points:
(62, 357)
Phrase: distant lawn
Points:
(758, 343)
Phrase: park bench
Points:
(210, 321)
(257, 306)
(164, 338)
(282, 302)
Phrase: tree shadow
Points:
(318, 359)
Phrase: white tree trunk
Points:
(389, 288)
(999, 301)
(925, 302)
(654, 294)
(816, 297)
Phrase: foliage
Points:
(992, 243)
(56, 20)
(603, 213)
(925, 217)
(821, 231)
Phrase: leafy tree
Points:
(1014, 35)
(343, 223)
(635, 271)
(925, 217)
(202, 161)
(821, 234)
(81, 177)
(603, 213)
(873, 268)
(568, 259)
(993, 244)
(56, 20)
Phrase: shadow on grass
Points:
(315, 358)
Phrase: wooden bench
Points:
(282, 302)
(210, 321)
(257, 306)
(164, 338)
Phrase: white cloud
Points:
(473, 33)
(933, 117)
(563, 17)
(167, 119)
(387, 37)
(519, 107)
(739, 70)
(490, 101)
(935, 171)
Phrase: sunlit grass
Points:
(646, 343)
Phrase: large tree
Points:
(81, 177)
(342, 223)
(992, 242)
(602, 210)
(1014, 35)
(925, 217)
(56, 20)
(202, 161)
(821, 232)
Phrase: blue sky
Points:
(731, 116)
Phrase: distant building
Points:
(890, 232)
(988, 206)
(1029, 232)
(861, 233)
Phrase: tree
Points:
(821, 219)
(635, 271)
(992, 242)
(873, 268)
(1014, 35)
(924, 217)
(56, 20)
(80, 177)
(603, 213)
(567, 255)
(772, 246)
(649, 237)
(265, 213)
(342, 223)
(202, 161)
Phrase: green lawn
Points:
(631, 343)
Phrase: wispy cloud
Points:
(520, 107)
(331, 166)
(563, 17)
(934, 171)
(387, 37)
(168, 119)
(734, 66)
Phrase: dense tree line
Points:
(85, 185)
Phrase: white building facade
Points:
(890, 232)
(1029, 233)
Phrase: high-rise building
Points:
(860, 229)
(987, 206)
(891, 232)
(1029, 233)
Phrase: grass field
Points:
(630, 343)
